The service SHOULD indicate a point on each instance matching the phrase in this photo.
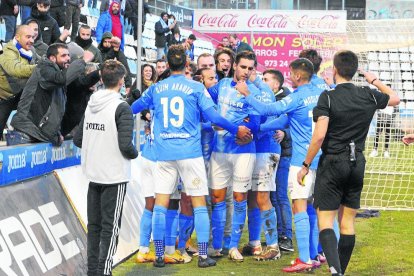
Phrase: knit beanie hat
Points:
(107, 35)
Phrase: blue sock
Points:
(202, 227)
(185, 229)
(171, 227)
(253, 216)
(158, 224)
(239, 217)
(302, 235)
(314, 232)
(269, 224)
(218, 221)
(145, 228)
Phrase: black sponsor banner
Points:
(183, 16)
(39, 231)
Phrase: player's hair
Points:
(277, 75)
(193, 67)
(176, 57)
(233, 36)
(246, 55)
(198, 75)
(222, 51)
(346, 63)
(304, 65)
(204, 55)
(111, 72)
(313, 56)
(53, 49)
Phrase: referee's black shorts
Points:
(339, 181)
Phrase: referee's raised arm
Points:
(372, 79)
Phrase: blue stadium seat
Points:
(132, 66)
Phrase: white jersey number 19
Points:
(176, 106)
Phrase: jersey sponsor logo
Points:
(38, 227)
(165, 135)
(95, 126)
(227, 101)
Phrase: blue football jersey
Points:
(177, 103)
(233, 106)
(264, 140)
(149, 151)
(319, 82)
(299, 108)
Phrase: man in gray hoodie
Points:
(105, 135)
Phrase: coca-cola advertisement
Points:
(280, 21)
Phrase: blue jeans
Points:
(280, 199)
(10, 21)
(24, 13)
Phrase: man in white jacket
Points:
(105, 136)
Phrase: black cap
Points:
(193, 37)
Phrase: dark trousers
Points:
(58, 13)
(6, 107)
(104, 207)
(134, 23)
(72, 19)
(383, 125)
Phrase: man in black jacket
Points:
(49, 28)
(161, 31)
(9, 11)
(73, 8)
(42, 104)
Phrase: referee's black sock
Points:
(330, 247)
(345, 247)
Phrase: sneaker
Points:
(159, 262)
(250, 250)
(190, 248)
(316, 263)
(269, 254)
(374, 153)
(386, 154)
(205, 262)
(235, 255)
(321, 258)
(298, 266)
(187, 258)
(175, 258)
(285, 244)
(145, 257)
(214, 253)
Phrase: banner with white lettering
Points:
(183, 16)
(22, 162)
(39, 232)
(278, 21)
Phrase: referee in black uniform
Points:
(342, 117)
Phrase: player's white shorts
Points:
(298, 191)
(178, 189)
(263, 178)
(231, 169)
(147, 174)
(191, 171)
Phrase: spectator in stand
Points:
(237, 45)
(172, 21)
(175, 38)
(225, 42)
(131, 13)
(148, 77)
(111, 21)
(9, 11)
(16, 66)
(206, 60)
(78, 94)
(161, 32)
(92, 4)
(84, 40)
(39, 45)
(57, 11)
(224, 59)
(190, 70)
(160, 66)
(73, 8)
(189, 46)
(49, 28)
(104, 6)
(25, 7)
(42, 105)
(110, 49)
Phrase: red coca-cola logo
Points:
(227, 20)
(278, 21)
(325, 22)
